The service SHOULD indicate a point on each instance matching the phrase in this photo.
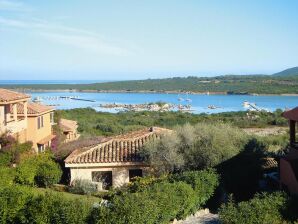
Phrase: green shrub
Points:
(7, 176)
(38, 170)
(81, 186)
(264, 208)
(203, 183)
(159, 203)
(159, 200)
(48, 173)
(21, 205)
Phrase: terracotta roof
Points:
(46, 139)
(122, 148)
(33, 108)
(8, 95)
(68, 125)
(291, 114)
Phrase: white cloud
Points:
(78, 38)
(87, 43)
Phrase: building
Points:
(289, 163)
(69, 129)
(24, 120)
(114, 161)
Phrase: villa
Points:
(24, 120)
(289, 163)
(114, 161)
(69, 129)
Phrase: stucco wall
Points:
(120, 175)
(34, 134)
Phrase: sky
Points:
(140, 39)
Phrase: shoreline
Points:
(148, 91)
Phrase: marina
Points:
(115, 102)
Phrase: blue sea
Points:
(199, 103)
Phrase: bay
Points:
(199, 103)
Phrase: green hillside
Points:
(285, 82)
(288, 72)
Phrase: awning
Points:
(291, 114)
(46, 139)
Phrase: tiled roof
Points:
(291, 114)
(122, 148)
(67, 125)
(269, 163)
(8, 95)
(33, 108)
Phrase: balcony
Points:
(13, 127)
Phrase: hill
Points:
(288, 72)
(285, 82)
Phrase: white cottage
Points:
(114, 161)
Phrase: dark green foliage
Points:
(264, 208)
(99, 123)
(159, 200)
(203, 182)
(38, 170)
(21, 205)
(233, 84)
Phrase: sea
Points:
(199, 103)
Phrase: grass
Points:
(87, 198)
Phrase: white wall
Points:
(120, 175)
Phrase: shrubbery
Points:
(160, 200)
(81, 186)
(275, 208)
(38, 170)
(195, 147)
(21, 205)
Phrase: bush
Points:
(7, 176)
(203, 183)
(21, 205)
(38, 170)
(160, 203)
(194, 147)
(81, 186)
(48, 173)
(159, 200)
(264, 208)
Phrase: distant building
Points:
(69, 129)
(114, 161)
(24, 120)
(289, 163)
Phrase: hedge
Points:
(159, 202)
(21, 205)
(274, 208)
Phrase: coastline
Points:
(148, 91)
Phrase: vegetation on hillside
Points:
(283, 83)
(92, 123)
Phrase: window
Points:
(104, 177)
(52, 118)
(40, 148)
(133, 173)
(38, 123)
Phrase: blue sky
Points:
(106, 40)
